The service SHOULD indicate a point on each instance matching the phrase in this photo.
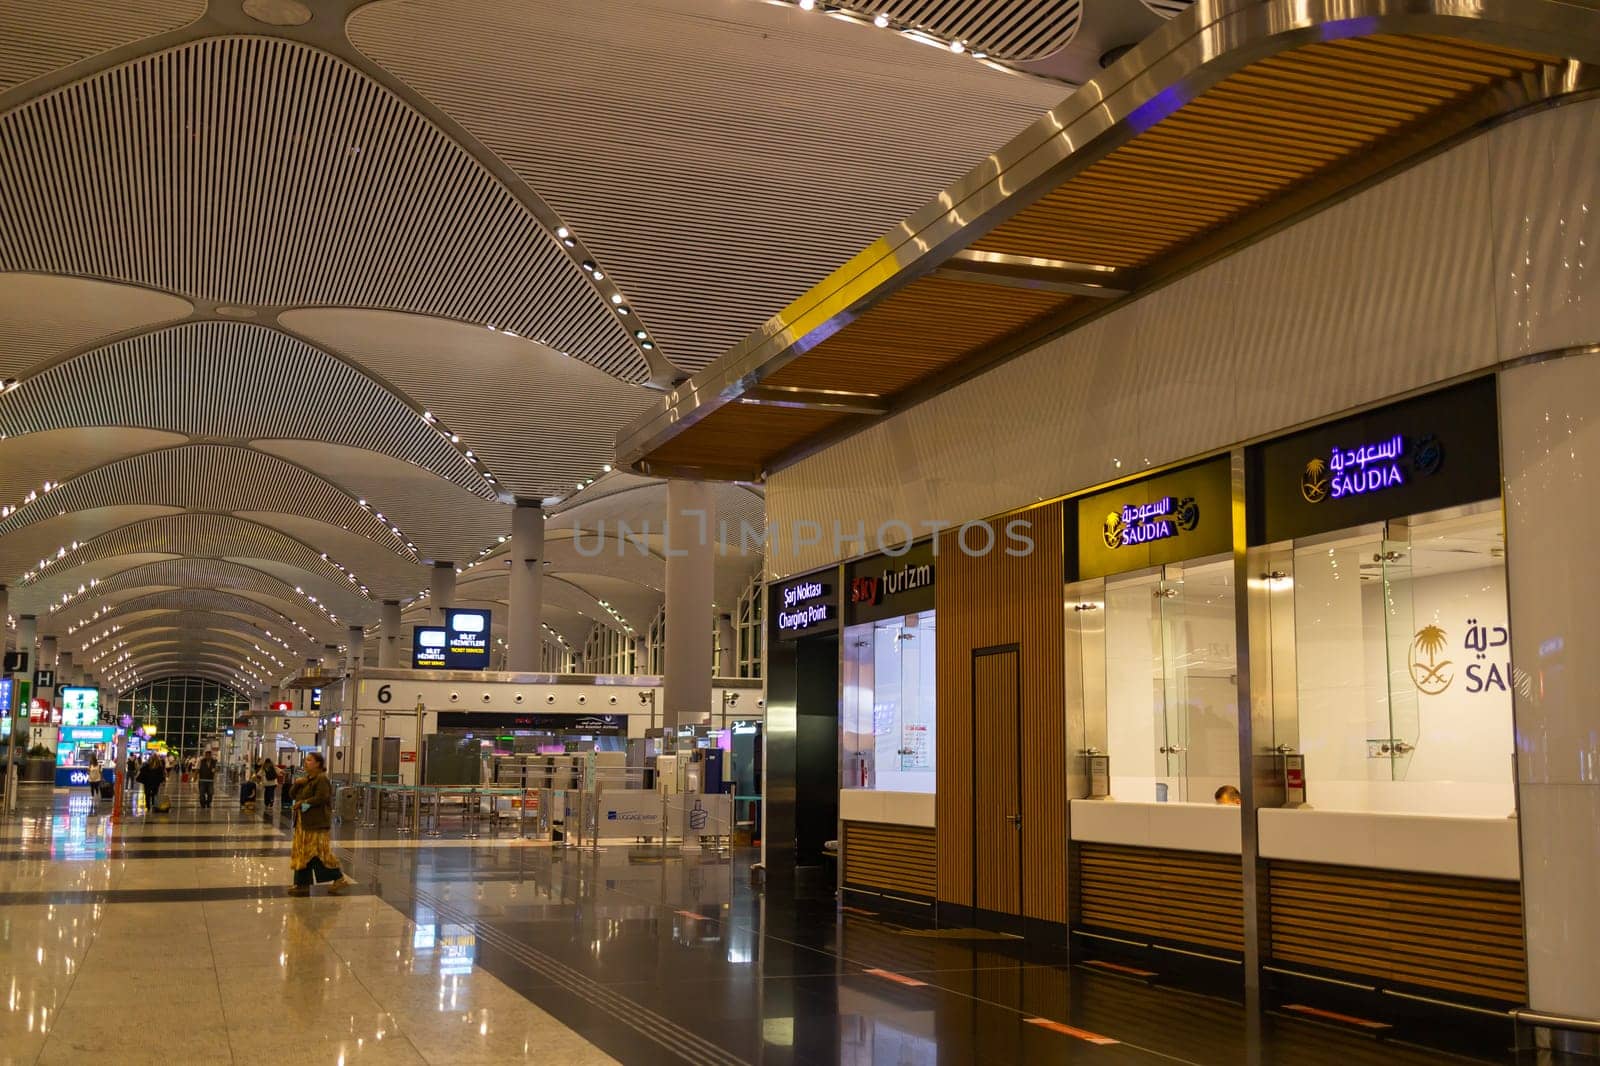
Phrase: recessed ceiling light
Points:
(957, 47)
(563, 232)
(881, 21)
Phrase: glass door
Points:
(1172, 720)
(1416, 659)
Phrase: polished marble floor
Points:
(153, 938)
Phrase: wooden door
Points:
(996, 785)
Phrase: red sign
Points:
(408, 756)
(283, 705)
(864, 590)
(39, 712)
(1296, 777)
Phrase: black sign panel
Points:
(44, 679)
(802, 606)
(888, 586)
(428, 645)
(467, 635)
(1182, 514)
(1436, 451)
(565, 723)
(16, 662)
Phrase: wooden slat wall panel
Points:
(983, 601)
(896, 859)
(1454, 934)
(1188, 896)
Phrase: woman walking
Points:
(152, 777)
(311, 857)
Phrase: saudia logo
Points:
(1433, 673)
(1166, 517)
(875, 590)
(1369, 468)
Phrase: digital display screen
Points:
(467, 633)
(80, 706)
(316, 699)
(428, 645)
(5, 697)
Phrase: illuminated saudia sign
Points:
(1145, 522)
(1369, 468)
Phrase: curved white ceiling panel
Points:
(279, 616)
(209, 477)
(198, 535)
(444, 523)
(540, 420)
(26, 463)
(236, 381)
(39, 36)
(256, 171)
(718, 158)
(195, 573)
(21, 551)
(377, 569)
(45, 316)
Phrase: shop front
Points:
(1152, 706)
(803, 733)
(1378, 585)
(889, 727)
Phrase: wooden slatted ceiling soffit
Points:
(1286, 132)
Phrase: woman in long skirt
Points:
(311, 857)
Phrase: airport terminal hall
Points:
(799, 532)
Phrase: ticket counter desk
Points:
(1159, 877)
(887, 849)
(1415, 905)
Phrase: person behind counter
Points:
(1228, 796)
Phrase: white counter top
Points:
(1182, 826)
(1459, 845)
(895, 808)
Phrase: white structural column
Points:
(357, 642)
(5, 618)
(442, 591)
(27, 636)
(389, 645)
(47, 653)
(523, 630)
(686, 666)
(64, 670)
(1550, 445)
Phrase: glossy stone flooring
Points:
(171, 938)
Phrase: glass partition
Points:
(1401, 658)
(1152, 674)
(888, 704)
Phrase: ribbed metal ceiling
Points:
(206, 477)
(578, 408)
(202, 535)
(255, 184)
(43, 317)
(1014, 30)
(43, 35)
(257, 171)
(738, 154)
(232, 380)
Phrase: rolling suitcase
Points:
(163, 805)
